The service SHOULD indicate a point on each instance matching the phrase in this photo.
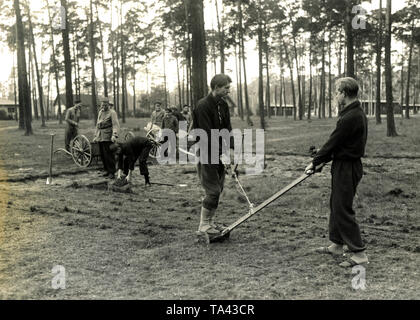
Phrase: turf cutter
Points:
(253, 210)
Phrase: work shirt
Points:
(157, 117)
(72, 117)
(348, 140)
(187, 116)
(107, 125)
(170, 122)
(212, 113)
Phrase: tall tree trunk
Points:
(198, 44)
(281, 79)
(103, 52)
(178, 78)
(76, 85)
(56, 74)
(391, 130)
(49, 95)
(92, 47)
(123, 84)
(67, 58)
(416, 94)
(260, 74)
(31, 83)
(38, 77)
(267, 86)
(402, 86)
(164, 70)
(15, 89)
(316, 107)
(221, 31)
(300, 107)
(238, 83)
(24, 95)
(378, 67)
(407, 92)
(284, 98)
(329, 77)
(134, 85)
(302, 57)
(241, 36)
(340, 39)
(114, 96)
(310, 78)
(289, 63)
(17, 110)
(322, 89)
(349, 42)
(114, 77)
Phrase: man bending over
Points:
(128, 152)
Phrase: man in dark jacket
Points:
(212, 112)
(345, 147)
(128, 152)
(170, 122)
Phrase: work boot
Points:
(205, 219)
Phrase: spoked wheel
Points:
(155, 151)
(81, 151)
(129, 135)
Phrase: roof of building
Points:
(6, 102)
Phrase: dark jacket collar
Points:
(214, 100)
(349, 107)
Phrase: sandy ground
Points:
(141, 243)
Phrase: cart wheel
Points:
(81, 151)
(155, 152)
(154, 136)
(129, 135)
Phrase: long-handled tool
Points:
(225, 233)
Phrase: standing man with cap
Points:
(187, 114)
(212, 112)
(157, 114)
(345, 147)
(107, 128)
(72, 123)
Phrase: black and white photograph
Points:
(190, 151)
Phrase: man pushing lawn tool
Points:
(345, 147)
(212, 112)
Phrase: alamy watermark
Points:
(359, 281)
(59, 279)
(359, 20)
(230, 148)
(58, 18)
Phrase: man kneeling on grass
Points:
(128, 152)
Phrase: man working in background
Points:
(157, 114)
(128, 152)
(72, 123)
(107, 128)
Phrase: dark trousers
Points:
(69, 134)
(129, 162)
(212, 178)
(343, 228)
(107, 156)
